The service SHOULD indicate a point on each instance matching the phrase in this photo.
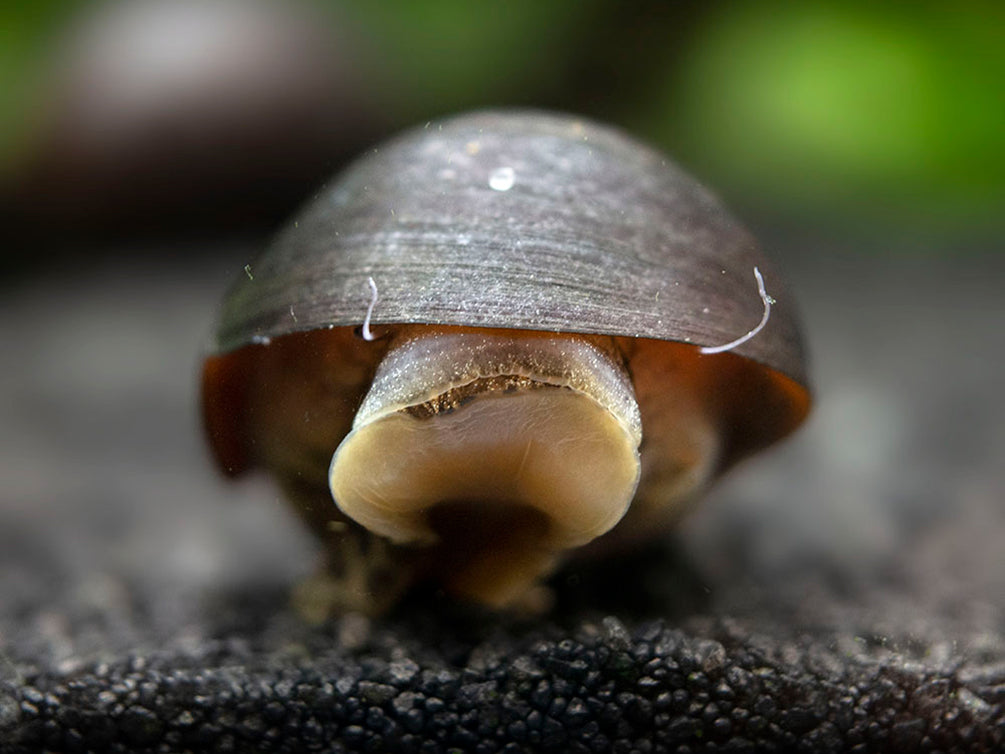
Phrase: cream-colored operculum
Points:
(532, 436)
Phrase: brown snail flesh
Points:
(537, 384)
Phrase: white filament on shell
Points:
(768, 301)
(367, 334)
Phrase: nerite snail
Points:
(539, 289)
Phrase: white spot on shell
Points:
(502, 179)
(261, 340)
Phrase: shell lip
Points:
(227, 343)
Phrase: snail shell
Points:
(540, 287)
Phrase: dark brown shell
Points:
(530, 221)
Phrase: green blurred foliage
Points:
(27, 30)
(867, 113)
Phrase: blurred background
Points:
(149, 149)
(122, 120)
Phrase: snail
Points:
(494, 342)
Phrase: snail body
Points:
(537, 289)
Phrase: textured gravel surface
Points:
(844, 593)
